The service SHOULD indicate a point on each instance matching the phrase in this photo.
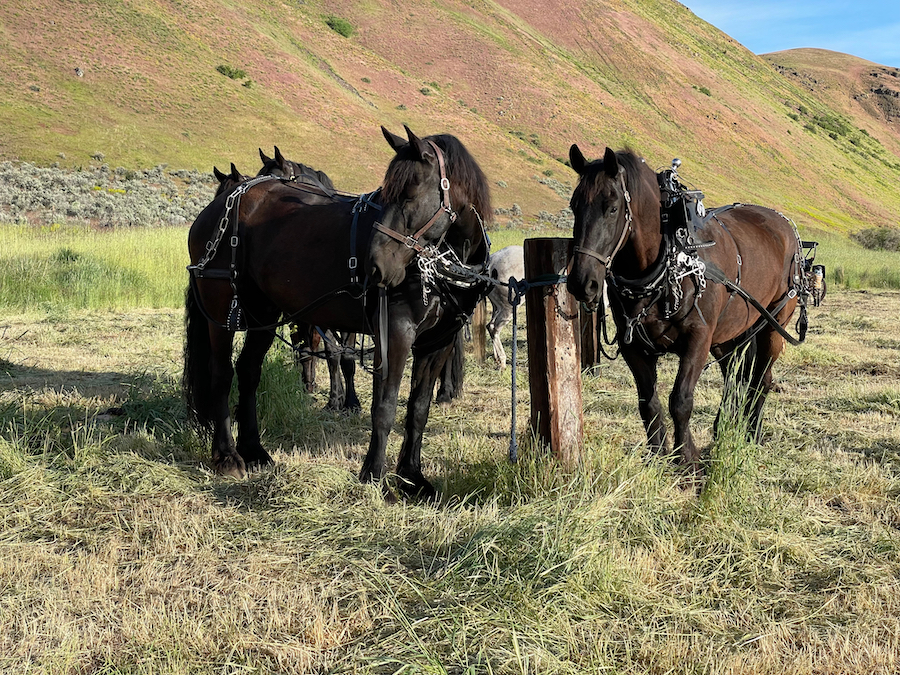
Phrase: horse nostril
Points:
(375, 275)
(591, 289)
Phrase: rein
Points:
(412, 241)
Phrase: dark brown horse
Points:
(306, 340)
(278, 258)
(689, 292)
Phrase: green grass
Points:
(80, 267)
(849, 265)
(128, 556)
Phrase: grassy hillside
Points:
(207, 82)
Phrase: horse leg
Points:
(336, 392)
(225, 458)
(681, 400)
(769, 347)
(384, 395)
(425, 371)
(249, 371)
(348, 369)
(494, 326)
(303, 342)
(643, 368)
(736, 367)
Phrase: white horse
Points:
(505, 263)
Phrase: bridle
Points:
(606, 261)
(412, 241)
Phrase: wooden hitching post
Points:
(554, 361)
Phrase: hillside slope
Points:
(517, 80)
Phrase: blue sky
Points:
(869, 29)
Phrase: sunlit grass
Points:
(67, 266)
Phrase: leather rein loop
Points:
(412, 241)
(606, 261)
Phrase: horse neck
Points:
(643, 247)
(465, 237)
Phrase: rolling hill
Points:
(193, 83)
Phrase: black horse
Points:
(308, 341)
(338, 347)
(274, 258)
(690, 288)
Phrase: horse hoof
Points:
(416, 487)
(230, 466)
(255, 456)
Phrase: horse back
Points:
(755, 247)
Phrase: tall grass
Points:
(849, 265)
(121, 553)
(68, 266)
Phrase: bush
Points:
(339, 25)
(705, 90)
(233, 73)
(878, 238)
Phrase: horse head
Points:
(430, 191)
(604, 218)
(281, 167)
(228, 182)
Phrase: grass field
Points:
(122, 553)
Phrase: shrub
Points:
(339, 25)
(425, 91)
(233, 73)
(705, 90)
(878, 238)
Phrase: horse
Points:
(506, 263)
(721, 281)
(339, 347)
(228, 181)
(305, 339)
(425, 241)
(288, 260)
(280, 167)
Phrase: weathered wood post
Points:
(479, 328)
(554, 362)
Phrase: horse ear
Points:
(235, 174)
(395, 141)
(610, 163)
(218, 174)
(262, 156)
(423, 150)
(576, 159)
(278, 156)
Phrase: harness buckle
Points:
(234, 241)
(445, 184)
(410, 242)
(352, 262)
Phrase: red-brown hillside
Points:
(517, 80)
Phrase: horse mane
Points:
(590, 186)
(468, 184)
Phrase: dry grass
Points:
(121, 553)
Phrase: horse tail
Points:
(196, 378)
(457, 361)
(451, 376)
